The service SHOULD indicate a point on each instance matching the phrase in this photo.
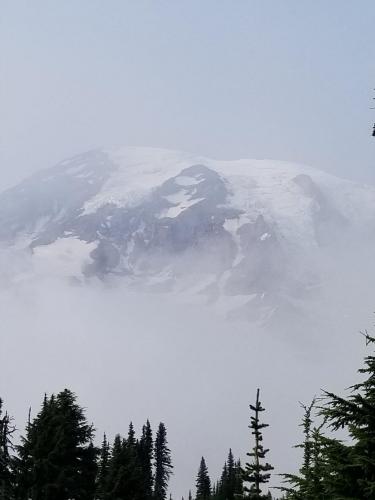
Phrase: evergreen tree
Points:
(238, 483)
(103, 470)
(203, 482)
(257, 473)
(131, 441)
(230, 484)
(124, 471)
(356, 414)
(111, 485)
(57, 458)
(222, 487)
(308, 485)
(163, 464)
(6, 431)
(89, 466)
(23, 462)
(146, 454)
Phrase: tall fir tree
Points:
(112, 484)
(230, 485)
(163, 464)
(203, 483)
(222, 486)
(6, 445)
(57, 458)
(238, 484)
(124, 472)
(257, 473)
(103, 470)
(146, 454)
(355, 465)
(308, 484)
(131, 441)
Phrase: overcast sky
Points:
(285, 79)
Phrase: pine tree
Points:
(238, 484)
(103, 470)
(131, 436)
(89, 466)
(163, 464)
(231, 479)
(124, 472)
(257, 473)
(6, 431)
(57, 458)
(146, 454)
(356, 414)
(111, 485)
(23, 462)
(222, 487)
(203, 482)
(308, 485)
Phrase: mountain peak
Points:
(247, 230)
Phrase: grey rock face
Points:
(198, 226)
(42, 206)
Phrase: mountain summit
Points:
(246, 235)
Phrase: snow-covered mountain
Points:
(247, 236)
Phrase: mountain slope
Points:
(245, 235)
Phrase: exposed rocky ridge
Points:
(246, 232)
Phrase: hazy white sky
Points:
(285, 79)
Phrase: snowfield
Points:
(252, 238)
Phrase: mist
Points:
(130, 356)
(243, 80)
(221, 80)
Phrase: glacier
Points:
(248, 237)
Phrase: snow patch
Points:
(65, 257)
(265, 236)
(183, 180)
(139, 172)
(173, 212)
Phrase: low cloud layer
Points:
(132, 356)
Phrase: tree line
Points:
(57, 459)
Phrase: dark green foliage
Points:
(308, 485)
(333, 469)
(103, 469)
(163, 464)
(131, 441)
(146, 454)
(229, 477)
(6, 431)
(356, 414)
(238, 482)
(230, 485)
(124, 471)
(57, 458)
(256, 473)
(89, 468)
(203, 482)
